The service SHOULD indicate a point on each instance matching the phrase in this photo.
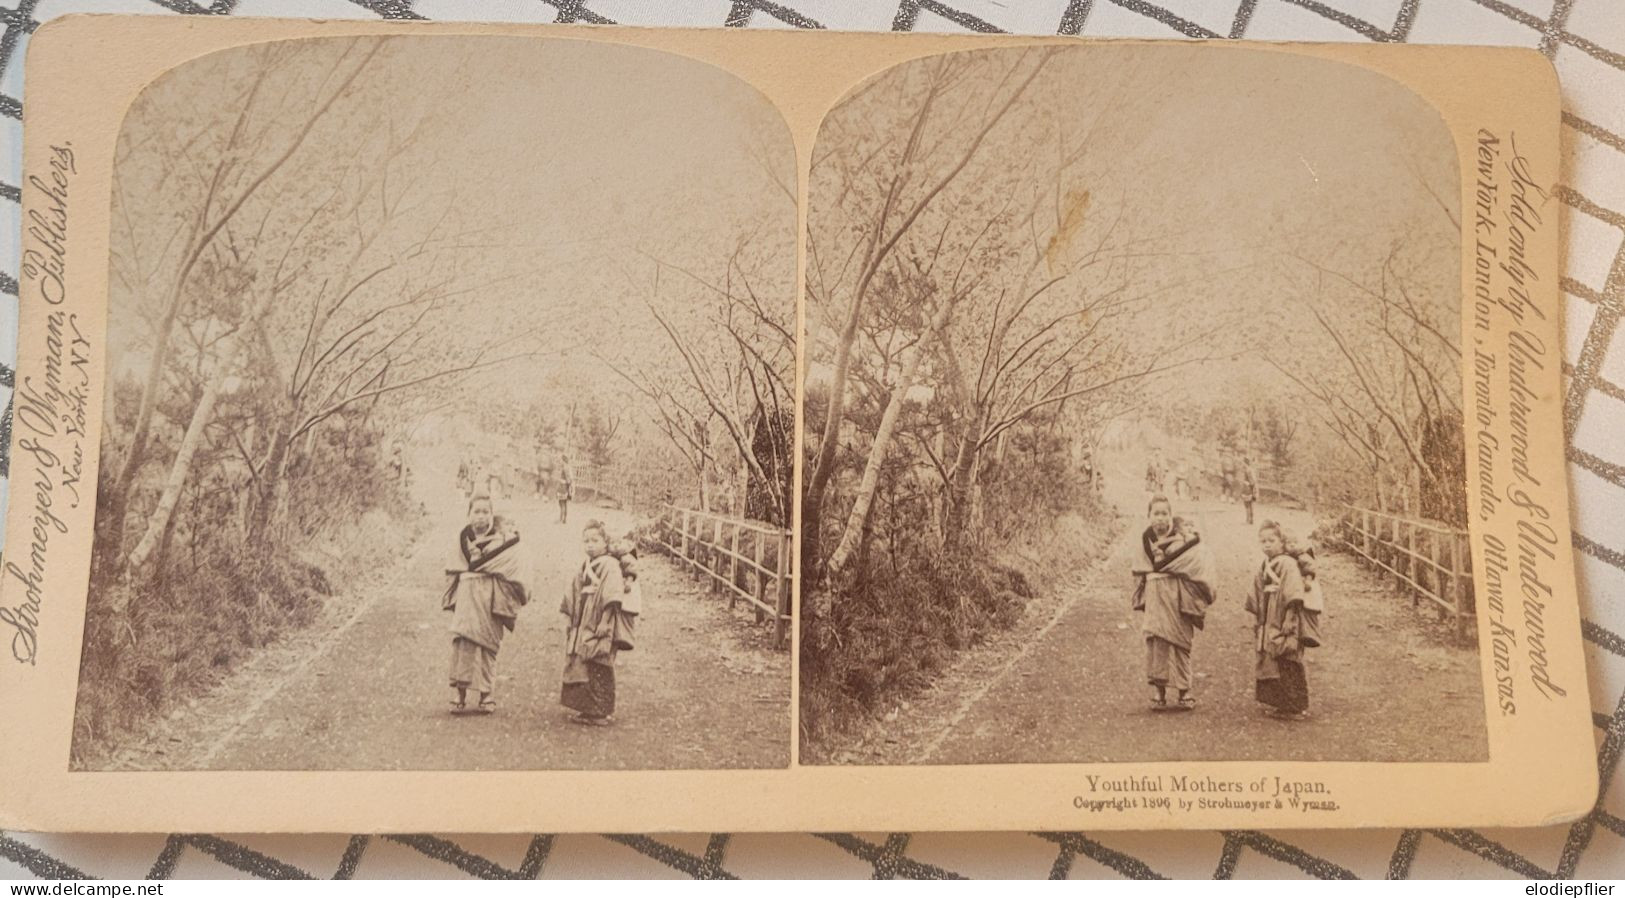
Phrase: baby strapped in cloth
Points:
(625, 551)
(1314, 598)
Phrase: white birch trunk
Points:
(852, 534)
(181, 468)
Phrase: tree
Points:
(882, 190)
(1389, 397)
(353, 278)
(244, 158)
(599, 427)
(722, 380)
(999, 289)
(909, 170)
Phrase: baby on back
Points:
(625, 551)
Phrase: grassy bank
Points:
(889, 632)
(151, 647)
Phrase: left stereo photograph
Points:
(449, 402)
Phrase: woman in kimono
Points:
(484, 592)
(1282, 628)
(599, 610)
(1173, 590)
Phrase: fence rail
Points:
(1281, 494)
(1430, 560)
(749, 560)
(629, 487)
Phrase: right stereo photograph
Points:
(1132, 424)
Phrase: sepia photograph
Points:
(449, 413)
(755, 430)
(1133, 424)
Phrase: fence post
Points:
(696, 547)
(713, 549)
(1383, 539)
(784, 591)
(1441, 587)
(683, 551)
(1458, 589)
(733, 569)
(733, 565)
(1410, 560)
(1379, 546)
(1451, 596)
(760, 571)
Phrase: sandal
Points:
(1185, 703)
(458, 707)
(1159, 704)
(486, 706)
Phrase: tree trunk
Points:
(957, 516)
(110, 519)
(181, 468)
(203, 233)
(857, 523)
(267, 492)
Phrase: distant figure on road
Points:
(599, 612)
(1249, 485)
(1283, 627)
(1173, 590)
(1227, 475)
(566, 488)
(484, 593)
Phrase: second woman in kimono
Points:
(599, 611)
(1173, 590)
(1284, 626)
(485, 590)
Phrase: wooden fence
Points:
(1271, 492)
(1427, 559)
(636, 488)
(749, 560)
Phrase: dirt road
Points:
(365, 688)
(1068, 683)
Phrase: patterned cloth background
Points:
(1586, 41)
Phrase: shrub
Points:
(890, 630)
(178, 635)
